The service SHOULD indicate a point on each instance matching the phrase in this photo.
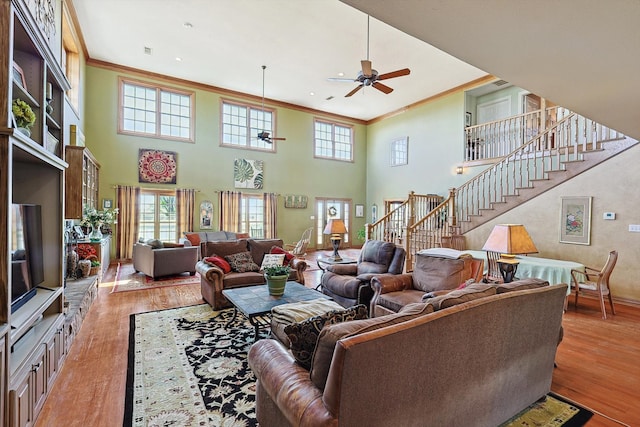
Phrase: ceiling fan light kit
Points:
(367, 76)
(264, 135)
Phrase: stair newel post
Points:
(452, 220)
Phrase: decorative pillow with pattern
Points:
(304, 335)
(242, 262)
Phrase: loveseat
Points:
(156, 260)
(214, 278)
(199, 238)
(472, 357)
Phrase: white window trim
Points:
(333, 125)
(270, 148)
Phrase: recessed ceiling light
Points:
(312, 93)
(340, 74)
(187, 25)
(178, 59)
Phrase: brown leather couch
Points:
(436, 271)
(213, 280)
(454, 361)
(349, 284)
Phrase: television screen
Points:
(27, 268)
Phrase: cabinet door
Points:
(39, 377)
(21, 403)
(54, 357)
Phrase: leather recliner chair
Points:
(349, 284)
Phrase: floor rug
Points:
(127, 279)
(188, 367)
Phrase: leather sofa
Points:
(213, 279)
(156, 262)
(435, 271)
(457, 360)
(349, 284)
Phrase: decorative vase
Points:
(96, 234)
(72, 264)
(84, 265)
(276, 284)
(25, 131)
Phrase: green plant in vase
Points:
(24, 116)
(276, 277)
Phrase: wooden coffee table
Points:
(255, 303)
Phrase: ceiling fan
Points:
(367, 76)
(264, 135)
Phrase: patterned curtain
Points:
(270, 215)
(127, 227)
(230, 202)
(185, 207)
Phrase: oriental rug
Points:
(127, 279)
(188, 367)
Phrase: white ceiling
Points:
(581, 54)
(302, 43)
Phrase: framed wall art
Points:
(248, 173)
(206, 215)
(575, 220)
(295, 201)
(157, 166)
(18, 76)
(359, 211)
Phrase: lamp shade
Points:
(510, 239)
(335, 226)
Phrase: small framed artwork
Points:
(467, 119)
(359, 211)
(206, 215)
(374, 213)
(107, 203)
(575, 220)
(77, 231)
(18, 76)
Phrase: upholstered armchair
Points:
(156, 262)
(433, 273)
(349, 284)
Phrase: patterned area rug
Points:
(187, 367)
(128, 280)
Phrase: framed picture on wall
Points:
(467, 119)
(575, 220)
(18, 76)
(206, 215)
(359, 211)
(107, 203)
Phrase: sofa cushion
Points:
(288, 256)
(224, 248)
(468, 293)
(521, 284)
(219, 262)
(395, 301)
(331, 334)
(194, 238)
(432, 273)
(172, 245)
(376, 257)
(242, 262)
(259, 247)
(303, 335)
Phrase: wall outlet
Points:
(634, 228)
(609, 215)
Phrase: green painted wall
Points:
(207, 167)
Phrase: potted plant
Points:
(24, 116)
(276, 277)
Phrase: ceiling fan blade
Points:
(277, 139)
(354, 91)
(366, 67)
(382, 88)
(397, 73)
(341, 79)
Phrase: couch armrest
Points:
(288, 385)
(343, 269)
(211, 273)
(391, 283)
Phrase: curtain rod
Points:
(156, 189)
(220, 191)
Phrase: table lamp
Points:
(336, 228)
(509, 240)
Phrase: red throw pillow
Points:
(194, 238)
(288, 256)
(219, 262)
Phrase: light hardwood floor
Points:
(597, 360)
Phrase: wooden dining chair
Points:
(595, 282)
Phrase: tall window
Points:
(70, 59)
(158, 216)
(150, 110)
(333, 141)
(252, 216)
(241, 124)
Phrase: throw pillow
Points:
(218, 262)
(155, 243)
(194, 238)
(303, 335)
(288, 256)
(242, 262)
(272, 259)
